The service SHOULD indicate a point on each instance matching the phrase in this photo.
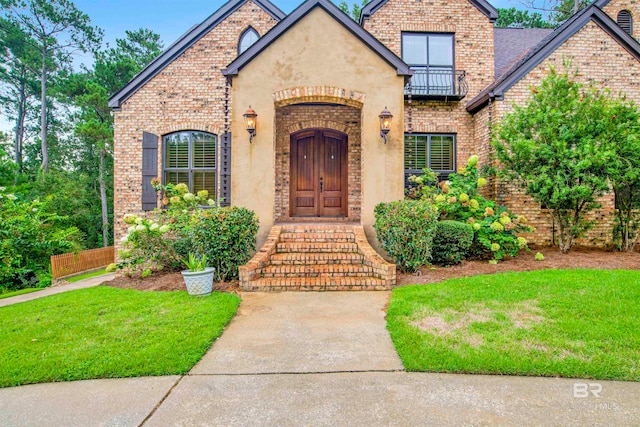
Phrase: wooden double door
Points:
(318, 173)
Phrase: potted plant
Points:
(198, 277)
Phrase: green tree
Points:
(515, 18)
(60, 30)
(624, 170)
(90, 91)
(18, 81)
(556, 148)
(354, 10)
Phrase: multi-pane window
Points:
(248, 38)
(430, 55)
(434, 151)
(190, 158)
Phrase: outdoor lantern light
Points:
(385, 123)
(250, 117)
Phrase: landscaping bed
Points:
(579, 257)
(103, 332)
(165, 281)
(567, 323)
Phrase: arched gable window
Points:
(190, 158)
(625, 21)
(247, 38)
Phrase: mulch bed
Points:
(579, 257)
(165, 281)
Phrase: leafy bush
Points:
(451, 242)
(496, 228)
(227, 236)
(147, 246)
(29, 235)
(405, 228)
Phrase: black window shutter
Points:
(149, 170)
(225, 169)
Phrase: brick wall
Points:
(615, 6)
(473, 53)
(600, 60)
(293, 118)
(187, 95)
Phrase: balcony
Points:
(441, 85)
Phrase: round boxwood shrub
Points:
(405, 230)
(451, 242)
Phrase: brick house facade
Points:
(439, 67)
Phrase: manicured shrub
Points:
(451, 242)
(405, 229)
(227, 236)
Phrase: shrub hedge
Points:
(451, 242)
(405, 229)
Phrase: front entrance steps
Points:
(317, 257)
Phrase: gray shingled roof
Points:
(511, 43)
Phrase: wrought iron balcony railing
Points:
(437, 84)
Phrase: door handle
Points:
(321, 184)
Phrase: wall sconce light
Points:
(385, 123)
(250, 119)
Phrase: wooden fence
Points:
(66, 264)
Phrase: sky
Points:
(169, 18)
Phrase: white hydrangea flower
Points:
(131, 229)
(138, 220)
(164, 228)
(154, 226)
(125, 239)
(141, 227)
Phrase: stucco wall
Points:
(316, 52)
(605, 63)
(187, 95)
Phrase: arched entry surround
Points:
(294, 118)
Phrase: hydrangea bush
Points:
(496, 228)
(188, 223)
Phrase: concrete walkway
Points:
(80, 284)
(295, 359)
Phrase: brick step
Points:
(318, 284)
(329, 229)
(317, 237)
(316, 258)
(308, 247)
(325, 270)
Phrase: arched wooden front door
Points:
(318, 173)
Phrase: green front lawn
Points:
(568, 323)
(105, 332)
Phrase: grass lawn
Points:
(568, 323)
(105, 332)
(86, 275)
(19, 292)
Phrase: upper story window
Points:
(431, 57)
(625, 21)
(248, 38)
(434, 151)
(190, 158)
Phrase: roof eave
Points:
(189, 38)
(264, 42)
